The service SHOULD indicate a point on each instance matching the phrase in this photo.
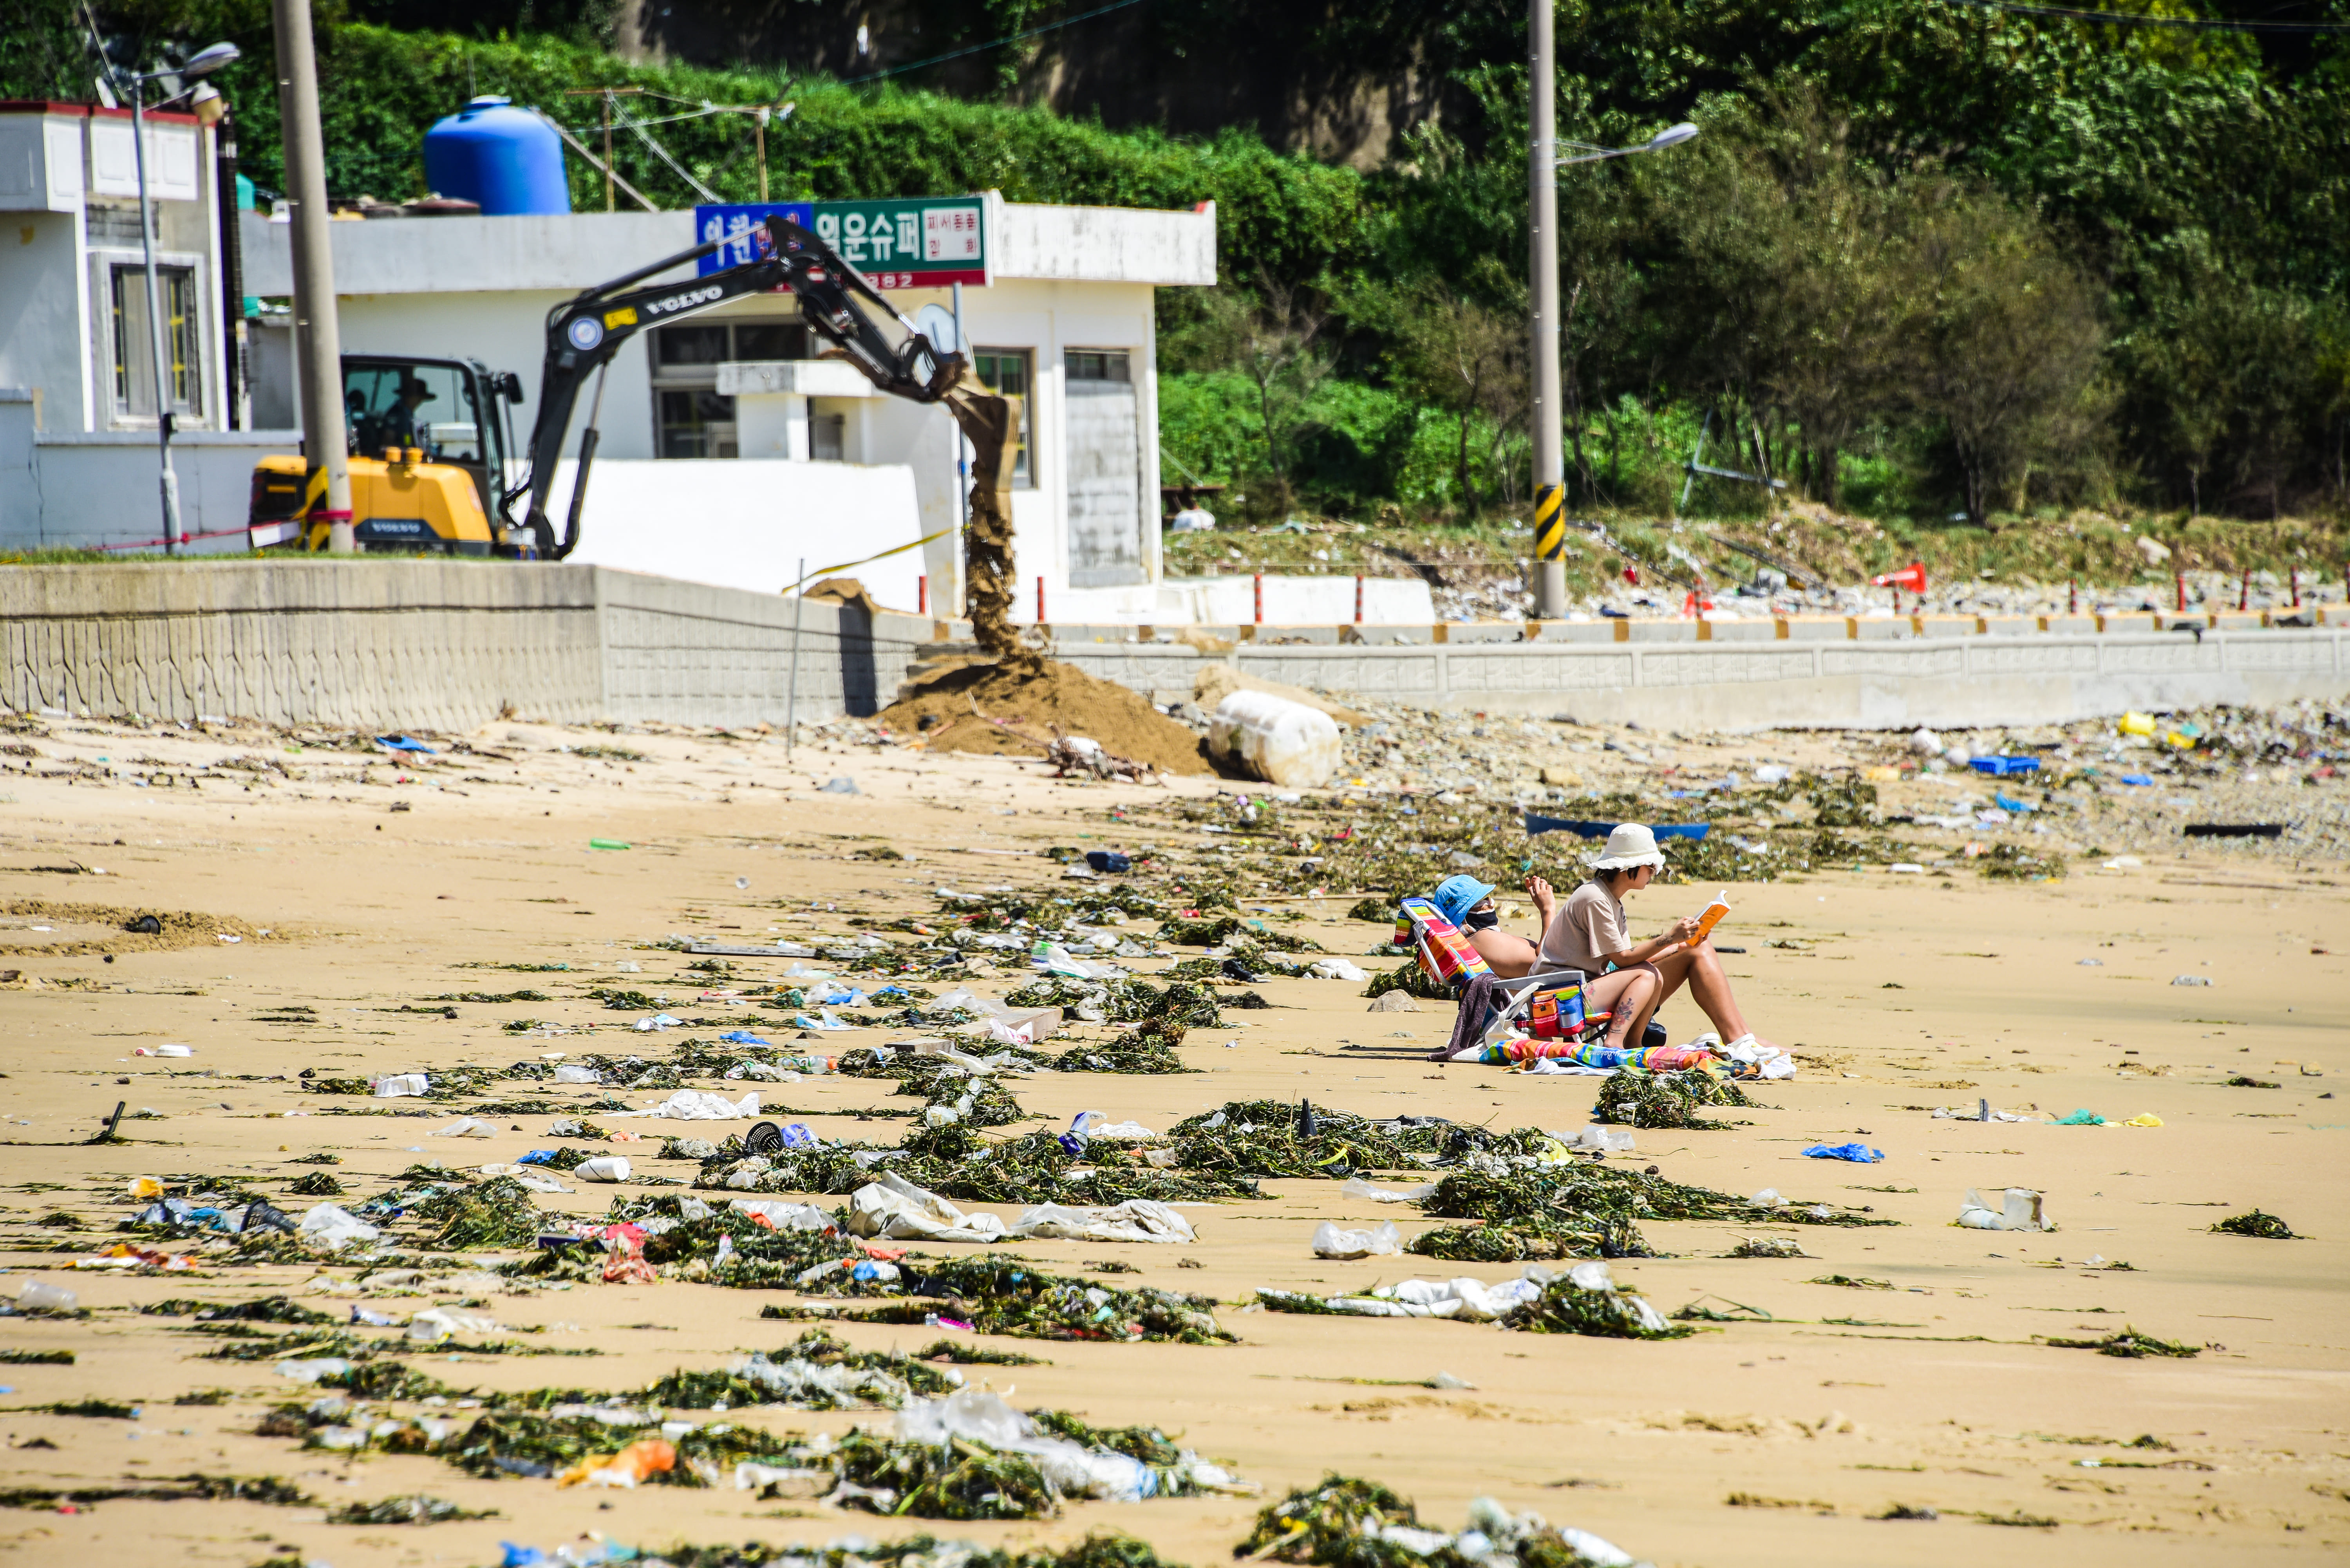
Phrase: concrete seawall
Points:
(438, 645)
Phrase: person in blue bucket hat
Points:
(1468, 904)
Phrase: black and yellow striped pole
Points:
(1550, 550)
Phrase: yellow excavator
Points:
(439, 424)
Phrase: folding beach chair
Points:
(1547, 1006)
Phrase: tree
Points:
(2011, 336)
(1273, 339)
(1466, 359)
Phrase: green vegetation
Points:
(1923, 261)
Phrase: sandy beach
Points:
(362, 886)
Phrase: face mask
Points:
(1483, 919)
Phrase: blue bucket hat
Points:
(1456, 895)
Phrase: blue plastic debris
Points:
(1107, 860)
(402, 744)
(2143, 781)
(2016, 805)
(2006, 767)
(536, 1156)
(741, 1037)
(1860, 1153)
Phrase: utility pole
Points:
(159, 343)
(1550, 460)
(317, 335)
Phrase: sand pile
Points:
(988, 709)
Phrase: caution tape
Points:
(878, 555)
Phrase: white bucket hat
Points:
(1629, 845)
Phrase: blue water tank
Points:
(507, 159)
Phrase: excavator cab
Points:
(429, 443)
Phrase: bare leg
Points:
(1629, 995)
(1701, 968)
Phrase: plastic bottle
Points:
(39, 1295)
(603, 1168)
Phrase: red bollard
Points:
(1260, 598)
(2296, 587)
(1040, 601)
(1358, 599)
(2072, 598)
(923, 595)
(2244, 592)
(2180, 580)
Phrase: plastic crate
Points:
(2006, 767)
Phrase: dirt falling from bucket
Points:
(989, 709)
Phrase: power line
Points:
(993, 43)
(2133, 19)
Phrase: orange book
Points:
(1712, 916)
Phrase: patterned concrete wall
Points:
(427, 645)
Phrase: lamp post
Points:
(1543, 166)
(135, 83)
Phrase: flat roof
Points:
(571, 251)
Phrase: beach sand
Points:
(1899, 994)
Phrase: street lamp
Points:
(203, 64)
(1543, 166)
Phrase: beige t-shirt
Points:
(1589, 924)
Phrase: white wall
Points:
(741, 524)
(43, 312)
(79, 490)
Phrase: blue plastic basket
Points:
(2006, 767)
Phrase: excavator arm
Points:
(583, 333)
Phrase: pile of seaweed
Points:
(1347, 1523)
(1002, 1293)
(1579, 1210)
(917, 1551)
(1564, 1307)
(953, 1161)
(1272, 1137)
(818, 1371)
(1635, 1098)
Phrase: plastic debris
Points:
(843, 785)
(1860, 1153)
(1384, 1242)
(331, 1226)
(1463, 1300)
(699, 1105)
(1337, 969)
(2021, 1208)
(40, 1296)
(2191, 980)
(396, 1084)
(469, 1127)
(894, 1208)
(639, 1461)
(603, 1168)
(1356, 1187)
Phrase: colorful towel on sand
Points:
(1445, 952)
(1655, 1059)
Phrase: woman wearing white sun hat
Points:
(1590, 933)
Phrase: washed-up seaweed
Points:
(1544, 1237)
(981, 1102)
(2255, 1223)
(386, 1380)
(1097, 1551)
(2128, 1343)
(1005, 1294)
(317, 1184)
(183, 1488)
(1635, 1098)
(2014, 863)
(1347, 1522)
(495, 1213)
(1409, 978)
(1564, 1307)
(832, 1168)
(415, 1510)
(518, 1443)
(1272, 1137)
(267, 1309)
(965, 1353)
(37, 1358)
(1148, 1048)
(962, 1481)
(889, 1380)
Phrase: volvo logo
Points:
(585, 332)
(677, 302)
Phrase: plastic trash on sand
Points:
(468, 1127)
(1860, 1153)
(1603, 1140)
(575, 1074)
(1462, 1300)
(1358, 1188)
(330, 1225)
(435, 1324)
(603, 1168)
(2191, 980)
(1385, 1241)
(2021, 1210)
(393, 1086)
(1071, 1468)
(1279, 741)
(1339, 969)
(1136, 1220)
(39, 1295)
(894, 1208)
(1096, 1124)
(1768, 1199)
(700, 1105)
(641, 1461)
(314, 1368)
(782, 1216)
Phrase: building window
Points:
(1010, 373)
(1098, 364)
(829, 438)
(691, 418)
(134, 344)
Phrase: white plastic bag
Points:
(396, 1084)
(1385, 1242)
(330, 1225)
(1279, 741)
(1605, 1140)
(1358, 1188)
(2020, 1208)
(783, 1216)
(1136, 1220)
(575, 1074)
(894, 1208)
(468, 1127)
(701, 1106)
(1339, 969)
(603, 1168)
